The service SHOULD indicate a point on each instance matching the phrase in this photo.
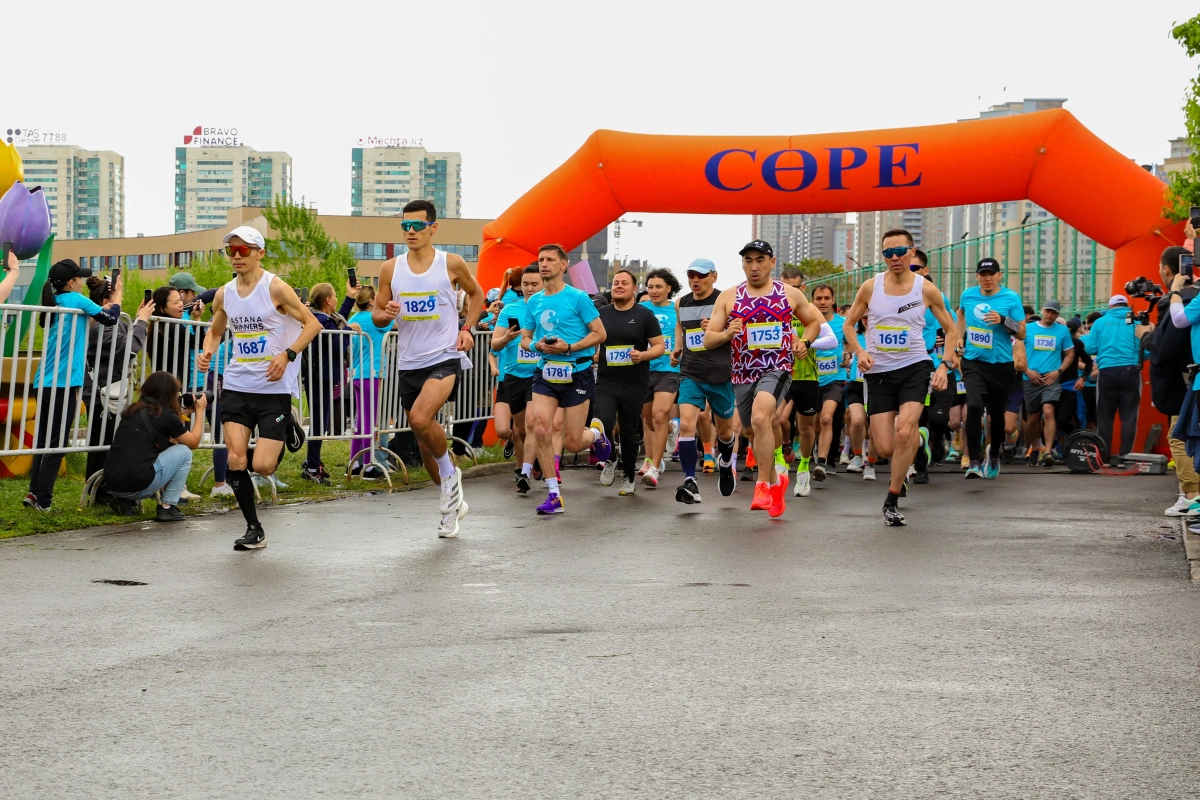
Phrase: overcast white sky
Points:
(516, 87)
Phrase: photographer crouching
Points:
(152, 449)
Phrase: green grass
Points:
(65, 513)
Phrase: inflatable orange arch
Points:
(1047, 157)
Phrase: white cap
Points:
(248, 235)
(1118, 300)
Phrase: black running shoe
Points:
(893, 517)
(818, 471)
(522, 484)
(254, 539)
(726, 481)
(904, 489)
(168, 514)
(689, 492)
(318, 475)
(537, 470)
(922, 477)
(509, 449)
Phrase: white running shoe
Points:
(844, 459)
(628, 487)
(672, 436)
(448, 527)
(221, 491)
(452, 494)
(609, 473)
(868, 472)
(646, 464)
(912, 470)
(651, 478)
(189, 496)
(855, 464)
(1180, 509)
(803, 484)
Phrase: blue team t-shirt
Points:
(565, 314)
(666, 320)
(515, 362)
(358, 349)
(64, 348)
(1045, 347)
(829, 362)
(985, 341)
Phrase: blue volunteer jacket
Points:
(1112, 341)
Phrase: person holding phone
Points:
(517, 367)
(12, 272)
(1170, 351)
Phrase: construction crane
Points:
(616, 259)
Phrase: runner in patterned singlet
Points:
(754, 318)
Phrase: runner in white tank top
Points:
(417, 292)
(269, 328)
(897, 369)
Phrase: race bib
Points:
(891, 338)
(249, 348)
(980, 337)
(764, 335)
(558, 372)
(1045, 343)
(694, 340)
(826, 366)
(527, 356)
(418, 306)
(619, 356)
(960, 387)
(668, 345)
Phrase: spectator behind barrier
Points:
(152, 449)
(324, 376)
(102, 391)
(12, 272)
(1113, 340)
(174, 347)
(366, 370)
(189, 292)
(60, 376)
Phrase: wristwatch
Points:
(291, 354)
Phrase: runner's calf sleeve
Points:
(687, 455)
(243, 490)
(725, 449)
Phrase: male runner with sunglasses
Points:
(704, 380)
(561, 323)
(270, 327)
(755, 319)
(417, 291)
(895, 363)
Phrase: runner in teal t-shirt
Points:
(661, 286)
(1049, 351)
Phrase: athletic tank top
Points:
(705, 366)
(427, 324)
(259, 333)
(896, 327)
(765, 342)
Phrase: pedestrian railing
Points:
(59, 395)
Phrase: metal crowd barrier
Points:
(336, 403)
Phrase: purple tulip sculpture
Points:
(24, 219)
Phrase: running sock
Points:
(687, 455)
(857, 452)
(557, 464)
(527, 470)
(821, 461)
(779, 457)
(243, 490)
(725, 450)
(893, 499)
(552, 485)
(445, 469)
(804, 462)
(708, 448)
(871, 460)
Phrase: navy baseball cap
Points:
(759, 245)
(988, 264)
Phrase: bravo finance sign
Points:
(203, 136)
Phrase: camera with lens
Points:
(1144, 288)
(188, 399)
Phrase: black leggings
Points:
(1118, 390)
(56, 412)
(619, 401)
(988, 387)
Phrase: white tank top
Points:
(427, 324)
(896, 327)
(259, 333)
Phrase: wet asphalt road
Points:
(1032, 637)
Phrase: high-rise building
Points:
(85, 189)
(211, 180)
(843, 245)
(776, 229)
(383, 179)
(813, 237)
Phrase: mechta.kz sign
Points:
(204, 136)
(390, 141)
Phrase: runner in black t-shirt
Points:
(633, 339)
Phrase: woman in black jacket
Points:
(325, 376)
(152, 449)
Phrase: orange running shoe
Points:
(778, 498)
(762, 497)
(750, 462)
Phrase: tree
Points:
(302, 252)
(1184, 190)
(816, 268)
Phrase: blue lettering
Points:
(858, 157)
(808, 167)
(888, 164)
(713, 167)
